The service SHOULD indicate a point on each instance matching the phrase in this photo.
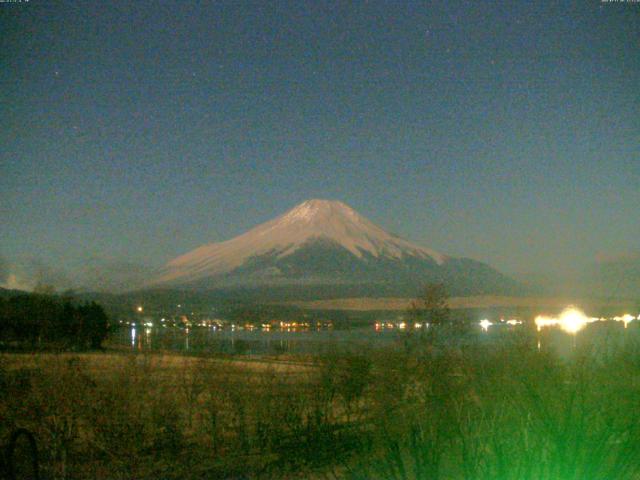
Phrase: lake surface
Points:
(251, 342)
(604, 336)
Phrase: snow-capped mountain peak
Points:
(312, 220)
(318, 210)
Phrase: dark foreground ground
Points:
(432, 409)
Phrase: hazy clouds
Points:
(106, 275)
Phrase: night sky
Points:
(132, 132)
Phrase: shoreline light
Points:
(626, 319)
(542, 321)
(485, 324)
(571, 320)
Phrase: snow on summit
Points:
(309, 221)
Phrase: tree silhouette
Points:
(96, 324)
(37, 320)
(432, 306)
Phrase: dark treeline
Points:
(49, 321)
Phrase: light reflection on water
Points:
(207, 340)
(235, 341)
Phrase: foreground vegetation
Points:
(428, 409)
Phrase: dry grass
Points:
(98, 362)
(167, 416)
(435, 410)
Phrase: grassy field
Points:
(430, 409)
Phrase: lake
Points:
(205, 340)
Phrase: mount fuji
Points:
(326, 244)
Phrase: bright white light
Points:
(542, 321)
(139, 309)
(485, 324)
(573, 320)
(626, 319)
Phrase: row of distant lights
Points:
(571, 320)
(401, 325)
(485, 324)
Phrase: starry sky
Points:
(132, 132)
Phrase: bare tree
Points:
(432, 306)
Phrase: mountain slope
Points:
(321, 242)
